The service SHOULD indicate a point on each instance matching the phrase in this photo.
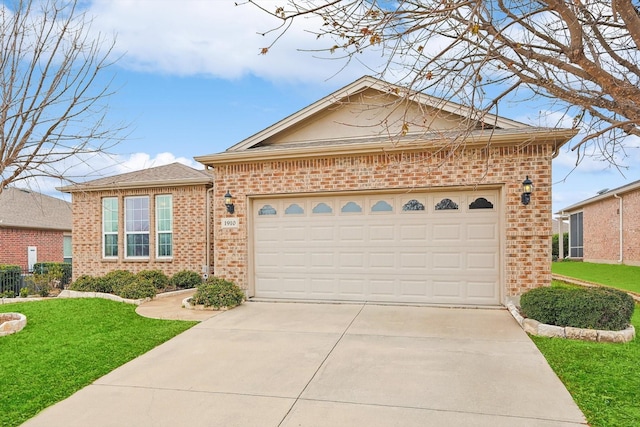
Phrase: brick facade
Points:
(15, 241)
(525, 230)
(189, 231)
(601, 230)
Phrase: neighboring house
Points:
(606, 228)
(33, 228)
(343, 201)
(145, 220)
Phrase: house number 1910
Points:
(230, 222)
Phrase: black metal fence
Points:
(13, 278)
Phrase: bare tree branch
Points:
(582, 56)
(54, 98)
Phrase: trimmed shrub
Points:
(157, 277)
(65, 267)
(114, 281)
(590, 308)
(555, 247)
(138, 289)
(218, 293)
(186, 279)
(85, 283)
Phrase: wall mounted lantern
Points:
(228, 202)
(527, 188)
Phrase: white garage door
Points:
(417, 247)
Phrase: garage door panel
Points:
(447, 288)
(447, 261)
(322, 260)
(413, 232)
(446, 233)
(436, 251)
(481, 290)
(482, 261)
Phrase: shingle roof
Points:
(28, 209)
(161, 176)
(605, 194)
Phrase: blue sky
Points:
(191, 82)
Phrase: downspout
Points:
(208, 251)
(621, 229)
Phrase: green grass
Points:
(624, 277)
(602, 377)
(66, 345)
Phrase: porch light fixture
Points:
(228, 202)
(527, 188)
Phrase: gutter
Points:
(621, 229)
(208, 228)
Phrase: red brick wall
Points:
(189, 232)
(601, 230)
(526, 230)
(14, 243)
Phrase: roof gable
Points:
(27, 209)
(174, 174)
(365, 109)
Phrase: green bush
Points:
(186, 279)
(65, 267)
(10, 279)
(555, 247)
(114, 281)
(218, 293)
(591, 308)
(139, 288)
(85, 283)
(157, 277)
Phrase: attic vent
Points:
(604, 190)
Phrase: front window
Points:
(66, 249)
(164, 226)
(575, 236)
(110, 227)
(136, 219)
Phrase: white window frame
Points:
(163, 232)
(128, 233)
(110, 232)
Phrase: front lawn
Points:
(619, 276)
(66, 345)
(602, 377)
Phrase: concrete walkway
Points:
(285, 364)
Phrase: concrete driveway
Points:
(294, 364)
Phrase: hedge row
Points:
(590, 308)
(144, 284)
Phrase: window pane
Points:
(165, 245)
(66, 246)
(137, 214)
(111, 245)
(137, 245)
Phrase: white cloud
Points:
(210, 38)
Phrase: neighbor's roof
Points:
(635, 185)
(21, 208)
(174, 174)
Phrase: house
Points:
(33, 228)
(352, 198)
(153, 219)
(606, 228)
(357, 198)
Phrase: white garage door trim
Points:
(432, 247)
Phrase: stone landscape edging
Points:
(534, 327)
(15, 323)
